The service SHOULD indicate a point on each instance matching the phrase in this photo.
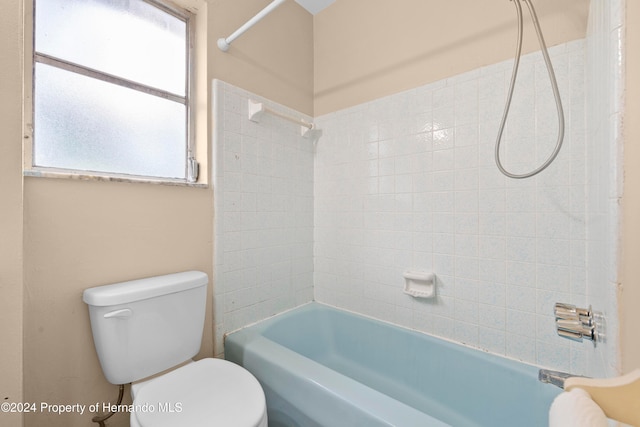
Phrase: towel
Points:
(576, 409)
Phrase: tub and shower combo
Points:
(320, 366)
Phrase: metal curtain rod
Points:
(225, 43)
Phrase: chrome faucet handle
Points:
(575, 323)
(576, 330)
(565, 311)
(571, 312)
(585, 315)
(570, 334)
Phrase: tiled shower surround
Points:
(263, 192)
(409, 182)
(605, 95)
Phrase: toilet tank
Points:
(146, 326)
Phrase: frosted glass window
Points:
(111, 81)
(131, 39)
(87, 124)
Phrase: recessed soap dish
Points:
(419, 284)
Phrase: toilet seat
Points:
(209, 392)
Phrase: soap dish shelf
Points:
(419, 284)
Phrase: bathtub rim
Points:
(264, 323)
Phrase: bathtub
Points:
(320, 366)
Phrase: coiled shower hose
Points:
(554, 86)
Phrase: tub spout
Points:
(556, 378)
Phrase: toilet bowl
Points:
(145, 327)
(209, 392)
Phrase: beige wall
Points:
(79, 234)
(273, 59)
(630, 294)
(10, 211)
(366, 49)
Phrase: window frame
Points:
(192, 175)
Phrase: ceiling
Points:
(314, 6)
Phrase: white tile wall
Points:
(263, 196)
(409, 182)
(605, 105)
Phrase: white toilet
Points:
(144, 327)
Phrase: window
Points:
(111, 88)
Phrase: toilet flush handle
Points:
(119, 314)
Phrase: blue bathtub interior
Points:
(317, 359)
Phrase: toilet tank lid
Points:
(136, 290)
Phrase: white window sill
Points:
(92, 176)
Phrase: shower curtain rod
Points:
(225, 43)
